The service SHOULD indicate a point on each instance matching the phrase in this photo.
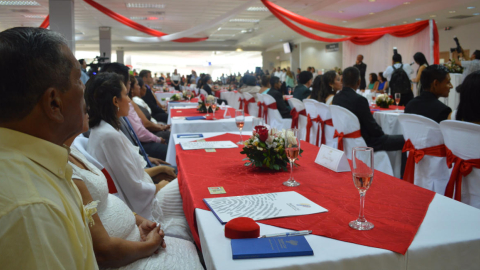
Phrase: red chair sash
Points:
(260, 108)
(246, 104)
(241, 103)
(461, 168)
(111, 185)
(295, 115)
(272, 106)
(415, 155)
(340, 136)
(321, 127)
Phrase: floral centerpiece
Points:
(175, 97)
(383, 101)
(166, 89)
(266, 149)
(453, 68)
(201, 104)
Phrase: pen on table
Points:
(287, 234)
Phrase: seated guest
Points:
(435, 82)
(274, 91)
(250, 86)
(265, 84)
(42, 222)
(107, 101)
(383, 83)
(372, 133)
(468, 109)
(373, 82)
(302, 90)
(207, 86)
(157, 111)
(330, 84)
(317, 82)
(136, 96)
(121, 237)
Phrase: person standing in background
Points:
(84, 78)
(363, 69)
(176, 80)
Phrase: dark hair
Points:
(144, 72)
(119, 69)
(380, 74)
(317, 82)
(397, 58)
(304, 77)
(420, 59)
(325, 88)
(468, 109)
(351, 76)
(265, 80)
(432, 73)
(477, 54)
(273, 81)
(206, 79)
(99, 93)
(249, 80)
(140, 81)
(32, 60)
(132, 81)
(81, 61)
(374, 78)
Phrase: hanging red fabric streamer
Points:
(126, 21)
(45, 22)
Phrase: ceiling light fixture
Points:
(371, 13)
(19, 3)
(451, 11)
(433, 16)
(222, 35)
(476, 14)
(143, 18)
(35, 16)
(371, 0)
(470, 7)
(418, 19)
(340, 11)
(344, 21)
(239, 50)
(245, 20)
(257, 9)
(406, 3)
(144, 5)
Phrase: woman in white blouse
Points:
(107, 100)
(176, 79)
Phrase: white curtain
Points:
(378, 55)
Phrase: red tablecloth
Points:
(193, 100)
(395, 207)
(391, 108)
(185, 112)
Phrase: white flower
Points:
(210, 97)
(90, 210)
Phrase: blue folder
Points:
(250, 248)
(195, 118)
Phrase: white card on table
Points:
(332, 159)
(207, 145)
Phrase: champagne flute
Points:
(189, 95)
(257, 121)
(362, 178)
(214, 106)
(208, 102)
(240, 121)
(397, 100)
(292, 149)
(374, 96)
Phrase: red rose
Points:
(262, 132)
(202, 97)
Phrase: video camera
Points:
(97, 63)
(458, 48)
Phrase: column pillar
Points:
(120, 55)
(105, 34)
(62, 20)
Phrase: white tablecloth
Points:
(177, 105)
(447, 239)
(231, 98)
(163, 95)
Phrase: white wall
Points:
(273, 59)
(467, 35)
(313, 54)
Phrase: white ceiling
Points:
(179, 15)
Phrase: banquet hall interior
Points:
(225, 134)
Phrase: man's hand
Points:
(158, 161)
(169, 171)
(164, 127)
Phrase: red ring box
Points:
(242, 227)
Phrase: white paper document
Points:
(332, 159)
(207, 145)
(262, 206)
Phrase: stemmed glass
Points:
(208, 102)
(374, 96)
(189, 95)
(362, 178)
(397, 100)
(240, 121)
(257, 121)
(292, 148)
(214, 106)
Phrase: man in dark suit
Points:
(157, 112)
(302, 90)
(372, 133)
(277, 95)
(363, 68)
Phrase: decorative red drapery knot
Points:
(415, 155)
(461, 169)
(295, 115)
(321, 127)
(272, 106)
(341, 135)
(260, 108)
(246, 102)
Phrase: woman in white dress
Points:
(120, 237)
(107, 100)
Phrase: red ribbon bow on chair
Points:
(461, 168)
(415, 155)
(295, 115)
(272, 106)
(260, 108)
(240, 99)
(248, 102)
(321, 127)
(340, 136)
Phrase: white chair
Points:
(453, 116)
(324, 111)
(431, 172)
(252, 104)
(346, 122)
(302, 118)
(311, 108)
(260, 108)
(204, 93)
(274, 119)
(463, 139)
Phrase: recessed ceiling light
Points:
(371, 13)
(144, 5)
(371, 0)
(138, 18)
(221, 35)
(281, 39)
(451, 11)
(476, 14)
(470, 7)
(245, 20)
(405, 22)
(35, 16)
(344, 21)
(418, 19)
(19, 3)
(340, 11)
(433, 16)
(393, 24)
(257, 9)
(406, 3)
(230, 28)
(239, 50)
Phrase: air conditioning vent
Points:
(459, 17)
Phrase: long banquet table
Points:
(447, 238)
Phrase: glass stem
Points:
(241, 138)
(291, 171)
(361, 215)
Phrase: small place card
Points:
(332, 159)
(216, 190)
(210, 150)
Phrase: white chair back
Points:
(454, 115)
(203, 92)
(324, 111)
(311, 108)
(302, 119)
(274, 119)
(431, 172)
(462, 139)
(346, 122)
(252, 106)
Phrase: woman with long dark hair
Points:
(373, 82)
(330, 83)
(383, 83)
(468, 109)
(422, 64)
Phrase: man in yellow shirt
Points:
(42, 220)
